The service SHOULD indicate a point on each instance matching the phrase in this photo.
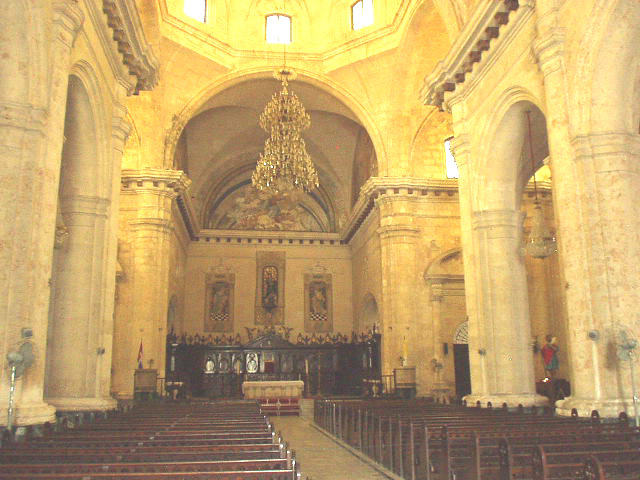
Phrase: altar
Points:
(273, 389)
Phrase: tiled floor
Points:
(319, 456)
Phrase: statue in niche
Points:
(318, 301)
(269, 287)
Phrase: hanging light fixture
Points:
(541, 243)
(284, 166)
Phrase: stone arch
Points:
(501, 174)
(323, 83)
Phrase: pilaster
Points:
(147, 196)
(398, 248)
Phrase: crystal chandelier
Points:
(285, 165)
(541, 243)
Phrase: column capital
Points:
(609, 151)
(169, 183)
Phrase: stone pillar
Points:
(146, 205)
(595, 179)
(505, 348)
(74, 332)
(439, 389)
(461, 147)
(398, 249)
(32, 137)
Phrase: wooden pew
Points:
(216, 441)
(436, 442)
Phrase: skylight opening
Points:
(450, 161)
(361, 14)
(196, 9)
(278, 29)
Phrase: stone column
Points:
(29, 163)
(146, 204)
(398, 248)
(503, 315)
(439, 389)
(74, 332)
(595, 182)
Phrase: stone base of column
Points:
(512, 400)
(609, 408)
(28, 414)
(82, 404)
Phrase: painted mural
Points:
(249, 209)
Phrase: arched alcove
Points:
(75, 333)
(369, 318)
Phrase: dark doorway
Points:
(461, 366)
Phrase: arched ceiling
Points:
(222, 142)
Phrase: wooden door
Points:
(461, 367)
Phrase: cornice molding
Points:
(401, 187)
(124, 21)
(118, 26)
(155, 180)
(473, 40)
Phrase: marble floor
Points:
(319, 456)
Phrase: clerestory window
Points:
(361, 14)
(278, 28)
(196, 9)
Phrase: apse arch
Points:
(341, 93)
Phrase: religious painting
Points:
(318, 303)
(270, 267)
(219, 303)
(246, 208)
(269, 287)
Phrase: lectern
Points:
(144, 383)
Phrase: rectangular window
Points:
(278, 29)
(196, 9)
(361, 14)
(450, 162)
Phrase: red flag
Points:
(140, 356)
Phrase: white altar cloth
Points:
(273, 389)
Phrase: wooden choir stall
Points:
(318, 366)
